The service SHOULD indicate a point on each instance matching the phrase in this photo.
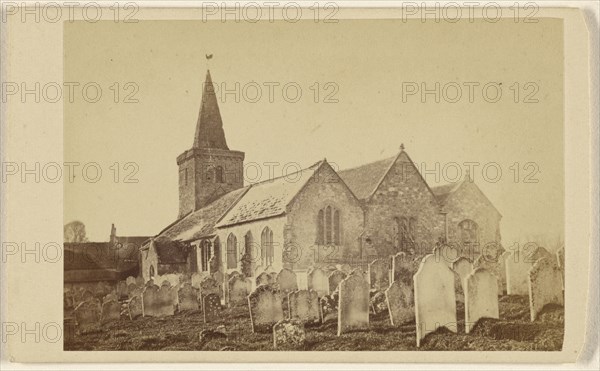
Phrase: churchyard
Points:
(512, 302)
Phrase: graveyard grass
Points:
(513, 331)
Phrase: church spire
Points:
(209, 128)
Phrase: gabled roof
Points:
(364, 180)
(269, 198)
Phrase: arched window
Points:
(210, 173)
(329, 226)
(219, 175)
(205, 255)
(247, 256)
(328, 223)
(468, 232)
(231, 251)
(266, 247)
(151, 273)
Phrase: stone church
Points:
(314, 217)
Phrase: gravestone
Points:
(131, 288)
(517, 271)
(318, 281)
(139, 281)
(353, 305)
(334, 280)
(197, 278)
(188, 297)
(491, 264)
(159, 302)
(302, 279)
(401, 269)
(87, 295)
(134, 307)
(68, 300)
(150, 300)
(264, 279)
(211, 307)
(237, 291)
(289, 335)
(304, 306)
(136, 292)
(545, 286)
(111, 311)
(87, 314)
(287, 282)
(130, 280)
(166, 283)
(121, 290)
(462, 267)
(434, 295)
(379, 275)
(209, 286)
(399, 299)
(265, 308)
(481, 297)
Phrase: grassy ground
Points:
(513, 331)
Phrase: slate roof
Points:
(363, 180)
(444, 191)
(269, 198)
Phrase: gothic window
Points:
(217, 251)
(403, 234)
(329, 226)
(219, 175)
(151, 273)
(205, 255)
(468, 232)
(231, 251)
(266, 247)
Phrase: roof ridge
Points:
(316, 164)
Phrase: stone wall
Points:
(148, 257)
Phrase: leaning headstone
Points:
(435, 299)
(318, 281)
(188, 298)
(304, 305)
(379, 275)
(334, 280)
(287, 282)
(211, 307)
(545, 286)
(111, 311)
(134, 307)
(130, 280)
(517, 271)
(237, 291)
(289, 335)
(264, 279)
(399, 299)
(265, 308)
(481, 297)
(209, 286)
(353, 306)
(87, 314)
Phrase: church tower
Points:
(209, 169)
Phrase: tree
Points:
(75, 232)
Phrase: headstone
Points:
(237, 291)
(289, 335)
(318, 281)
(265, 308)
(87, 314)
(302, 278)
(136, 292)
(435, 299)
(379, 275)
(211, 307)
(545, 286)
(304, 305)
(209, 286)
(121, 290)
(400, 303)
(139, 281)
(481, 297)
(130, 289)
(130, 280)
(159, 301)
(264, 279)
(517, 271)
(401, 269)
(334, 280)
(150, 300)
(287, 282)
(188, 298)
(491, 264)
(353, 306)
(197, 278)
(68, 300)
(87, 295)
(134, 307)
(111, 311)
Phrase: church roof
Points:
(363, 180)
(268, 198)
(444, 191)
(209, 127)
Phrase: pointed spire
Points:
(209, 128)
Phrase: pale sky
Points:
(366, 60)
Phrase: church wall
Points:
(325, 189)
(148, 258)
(403, 193)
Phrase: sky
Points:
(354, 76)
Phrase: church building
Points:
(313, 217)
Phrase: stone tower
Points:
(209, 169)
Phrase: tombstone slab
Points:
(353, 305)
(304, 306)
(481, 297)
(130, 280)
(379, 274)
(111, 311)
(335, 278)
(400, 303)
(188, 298)
(289, 335)
(401, 269)
(491, 264)
(237, 291)
(435, 299)
(287, 282)
(209, 286)
(87, 314)
(517, 271)
(265, 308)
(318, 281)
(211, 307)
(545, 286)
